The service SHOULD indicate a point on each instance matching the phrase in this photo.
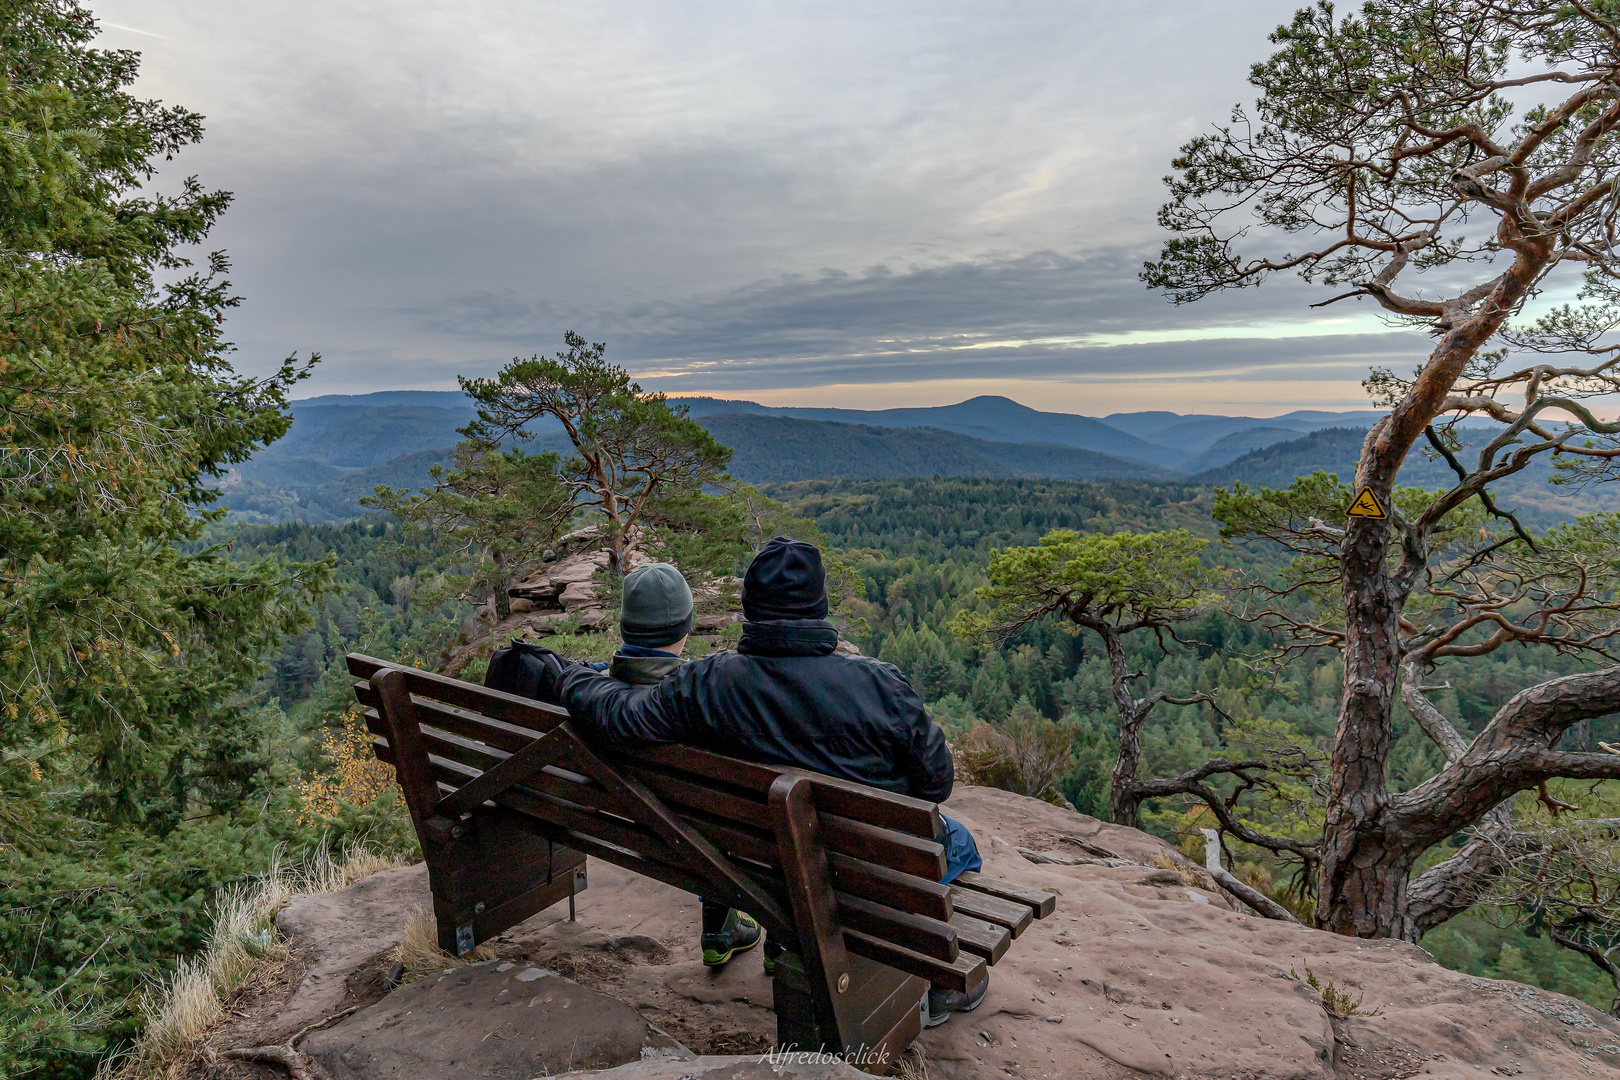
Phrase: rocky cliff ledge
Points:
(569, 594)
(1140, 972)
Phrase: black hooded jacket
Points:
(783, 698)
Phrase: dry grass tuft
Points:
(913, 1064)
(1336, 1000)
(419, 954)
(1191, 875)
(179, 1011)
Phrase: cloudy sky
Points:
(823, 203)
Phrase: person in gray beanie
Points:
(655, 617)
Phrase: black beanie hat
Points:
(785, 581)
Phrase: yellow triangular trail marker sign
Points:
(1366, 505)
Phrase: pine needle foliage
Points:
(126, 649)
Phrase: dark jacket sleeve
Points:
(608, 710)
(929, 770)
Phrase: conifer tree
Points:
(1445, 161)
(1115, 586)
(124, 641)
(632, 449)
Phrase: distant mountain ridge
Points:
(775, 449)
(340, 446)
(1165, 439)
(992, 419)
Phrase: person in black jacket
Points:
(786, 697)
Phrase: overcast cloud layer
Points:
(863, 204)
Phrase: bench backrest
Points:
(707, 823)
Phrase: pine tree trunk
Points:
(1122, 803)
(1363, 875)
(1362, 879)
(503, 601)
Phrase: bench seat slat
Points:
(899, 812)
(889, 809)
(983, 938)
(452, 774)
(637, 862)
(615, 830)
(720, 803)
(1041, 903)
(736, 840)
(843, 835)
(552, 779)
(660, 870)
(1015, 917)
(967, 969)
(521, 711)
(744, 774)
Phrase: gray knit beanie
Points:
(656, 607)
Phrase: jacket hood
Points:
(788, 637)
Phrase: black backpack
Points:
(516, 669)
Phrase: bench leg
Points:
(492, 876)
(883, 1007)
(825, 997)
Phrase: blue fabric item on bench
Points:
(961, 857)
(961, 853)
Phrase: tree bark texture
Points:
(1122, 803)
(1366, 861)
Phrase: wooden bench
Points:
(507, 801)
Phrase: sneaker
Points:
(739, 934)
(773, 950)
(941, 1003)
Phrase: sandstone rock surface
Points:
(736, 1067)
(1140, 972)
(340, 931)
(506, 1020)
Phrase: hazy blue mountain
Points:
(699, 407)
(1235, 445)
(1316, 418)
(1336, 450)
(1194, 434)
(1146, 424)
(440, 399)
(1165, 439)
(993, 419)
(774, 449)
(1333, 450)
(360, 432)
(359, 436)
(279, 471)
(323, 498)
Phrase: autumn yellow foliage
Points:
(356, 776)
